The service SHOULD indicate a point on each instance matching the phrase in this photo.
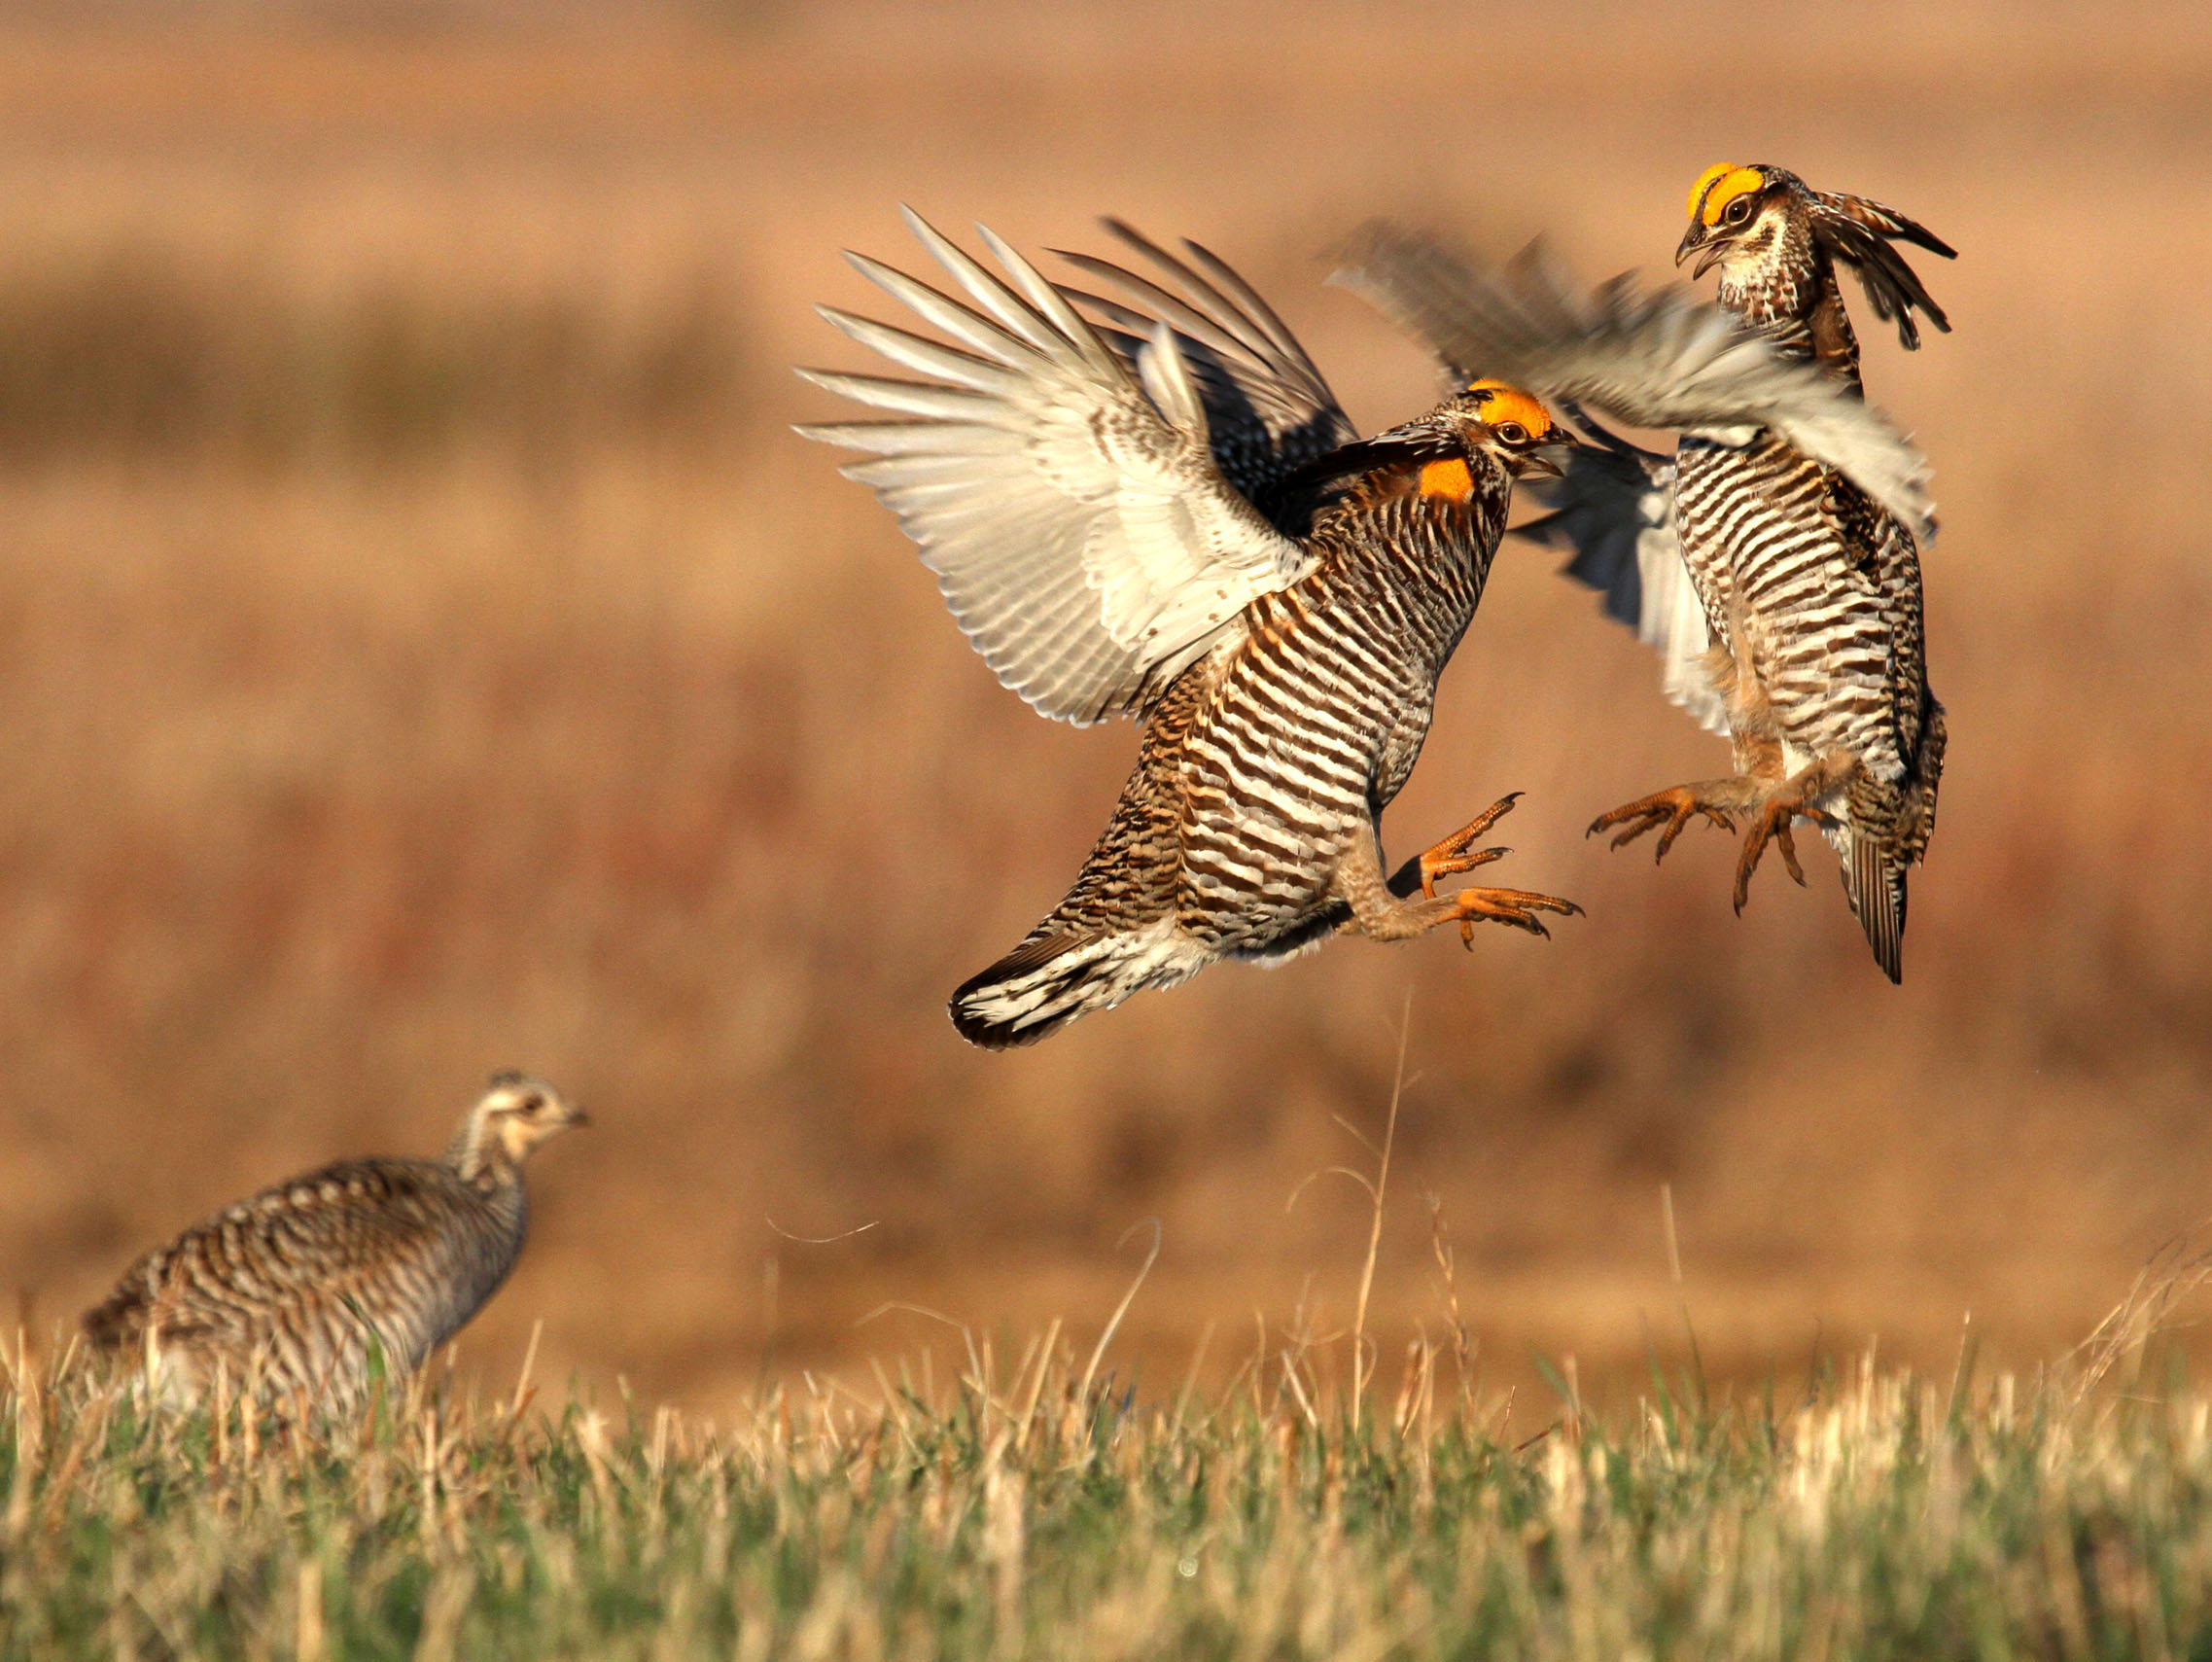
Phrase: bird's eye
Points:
(1738, 210)
(1513, 433)
(533, 1104)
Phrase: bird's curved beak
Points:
(1694, 240)
(1704, 242)
(1549, 460)
(578, 1119)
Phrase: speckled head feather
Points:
(516, 1112)
(1859, 232)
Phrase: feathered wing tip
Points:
(1859, 232)
(1874, 882)
(1050, 979)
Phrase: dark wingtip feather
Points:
(1860, 233)
(1874, 882)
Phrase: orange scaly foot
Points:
(1515, 906)
(1673, 807)
(1455, 855)
(1772, 823)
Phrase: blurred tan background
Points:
(423, 648)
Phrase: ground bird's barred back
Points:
(1148, 500)
(293, 1291)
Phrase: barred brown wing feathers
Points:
(284, 1282)
(118, 1321)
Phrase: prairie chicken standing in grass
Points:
(1782, 590)
(290, 1290)
(1167, 513)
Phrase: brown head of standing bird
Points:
(292, 1292)
(1163, 512)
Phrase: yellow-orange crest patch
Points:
(1500, 402)
(1448, 479)
(1720, 185)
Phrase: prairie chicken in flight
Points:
(1781, 586)
(289, 1291)
(1167, 513)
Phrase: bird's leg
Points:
(1770, 821)
(1388, 912)
(1673, 808)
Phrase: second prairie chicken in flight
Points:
(291, 1290)
(1782, 593)
(1167, 513)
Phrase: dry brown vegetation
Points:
(423, 648)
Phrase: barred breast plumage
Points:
(1264, 765)
(1163, 510)
(293, 1291)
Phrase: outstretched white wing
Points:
(1663, 360)
(1070, 506)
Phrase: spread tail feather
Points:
(1874, 881)
(1050, 979)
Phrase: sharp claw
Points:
(1789, 855)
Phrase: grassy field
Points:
(1031, 1507)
